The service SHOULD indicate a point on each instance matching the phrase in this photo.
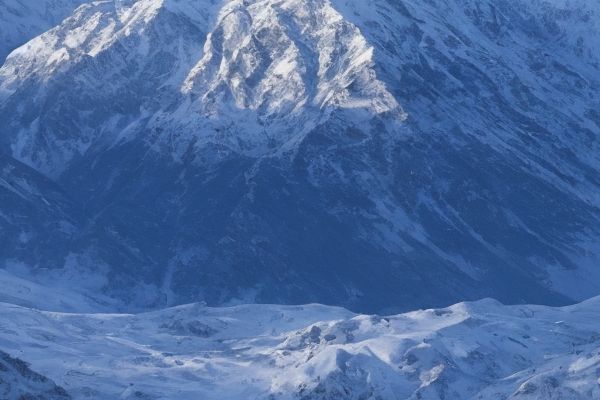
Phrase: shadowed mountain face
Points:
(36, 215)
(380, 155)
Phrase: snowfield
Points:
(479, 350)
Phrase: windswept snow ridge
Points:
(479, 350)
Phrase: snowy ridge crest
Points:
(292, 53)
(228, 71)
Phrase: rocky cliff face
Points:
(368, 154)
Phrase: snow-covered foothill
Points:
(480, 350)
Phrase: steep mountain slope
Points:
(36, 215)
(22, 20)
(18, 382)
(479, 350)
(46, 250)
(368, 154)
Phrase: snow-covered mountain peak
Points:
(121, 57)
(290, 63)
(247, 149)
(225, 72)
(97, 26)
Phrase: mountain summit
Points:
(377, 154)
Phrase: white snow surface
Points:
(23, 20)
(44, 293)
(480, 350)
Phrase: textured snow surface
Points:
(376, 154)
(42, 292)
(18, 382)
(22, 20)
(480, 350)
